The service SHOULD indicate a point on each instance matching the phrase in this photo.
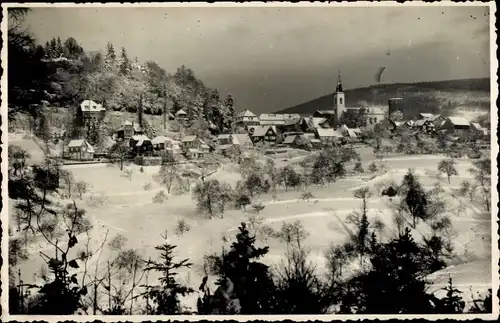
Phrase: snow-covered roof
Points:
(224, 136)
(476, 126)
(316, 122)
(260, 131)
(426, 115)
(224, 147)
(289, 139)
(189, 138)
(291, 122)
(421, 122)
(205, 146)
(180, 112)
(314, 140)
(76, 143)
(328, 133)
(159, 140)
(459, 121)
(326, 112)
(246, 113)
(91, 106)
(242, 139)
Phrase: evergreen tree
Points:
(166, 296)
(110, 59)
(59, 47)
(251, 281)
(53, 48)
(395, 284)
(229, 107)
(125, 67)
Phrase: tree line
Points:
(61, 73)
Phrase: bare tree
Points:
(447, 167)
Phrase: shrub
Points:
(160, 197)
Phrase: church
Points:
(373, 114)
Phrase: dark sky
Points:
(271, 58)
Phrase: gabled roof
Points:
(189, 138)
(426, 115)
(242, 139)
(224, 136)
(180, 112)
(77, 143)
(316, 122)
(140, 139)
(328, 133)
(421, 122)
(260, 131)
(289, 139)
(477, 126)
(271, 117)
(91, 106)
(459, 121)
(246, 113)
(292, 122)
(159, 140)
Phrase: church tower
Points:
(339, 99)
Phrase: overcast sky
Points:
(272, 58)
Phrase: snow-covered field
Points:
(129, 211)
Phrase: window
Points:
(340, 100)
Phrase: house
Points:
(141, 145)
(264, 134)
(374, 115)
(195, 144)
(160, 142)
(478, 131)
(274, 119)
(92, 110)
(242, 140)
(290, 140)
(318, 122)
(246, 118)
(436, 119)
(79, 149)
(348, 132)
(424, 125)
(126, 131)
(224, 139)
(194, 154)
(327, 135)
(456, 126)
(181, 115)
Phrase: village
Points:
(270, 131)
(144, 188)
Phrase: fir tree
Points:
(59, 47)
(253, 285)
(166, 296)
(125, 67)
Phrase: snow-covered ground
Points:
(129, 211)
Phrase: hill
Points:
(435, 97)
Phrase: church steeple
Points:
(339, 84)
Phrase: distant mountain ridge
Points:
(434, 97)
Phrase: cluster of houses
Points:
(269, 129)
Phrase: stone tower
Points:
(339, 99)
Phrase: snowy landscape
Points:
(135, 191)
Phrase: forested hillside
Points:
(61, 73)
(433, 97)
